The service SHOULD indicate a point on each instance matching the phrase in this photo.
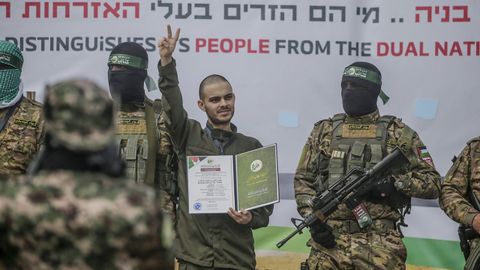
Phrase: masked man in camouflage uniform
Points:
(360, 139)
(142, 133)
(21, 123)
(208, 241)
(459, 197)
(76, 213)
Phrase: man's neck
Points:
(225, 127)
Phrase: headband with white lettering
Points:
(128, 60)
(367, 75)
(11, 60)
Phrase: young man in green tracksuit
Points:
(208, 241)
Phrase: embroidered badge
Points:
(424, 155)
(132, 126)
(359, 131)
(23, 122)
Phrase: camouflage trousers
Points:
(369, 250)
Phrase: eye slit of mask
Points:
(351, 84)
(116, 68)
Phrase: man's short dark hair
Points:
(210, 79)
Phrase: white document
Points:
(210, 184)
(245, 181)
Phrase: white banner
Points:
(283, 58)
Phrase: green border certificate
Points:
(257, 178)
(246, 181)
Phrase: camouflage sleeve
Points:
(168, 84)
(421, 179)
(453, 199)
(305, 175)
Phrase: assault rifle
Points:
(350, 189)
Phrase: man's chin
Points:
(221, 121)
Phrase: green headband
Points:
(363, 73)
(128, 60)
(368, 75)
(11, 60)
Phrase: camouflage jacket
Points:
(419, 180)
(21, 137)
(464, 172)
(73, 220)
(208, 240)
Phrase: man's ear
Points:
(201, 104)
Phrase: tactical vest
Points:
(146, 148)
(137, 138)
(19, 139)
(356, 145)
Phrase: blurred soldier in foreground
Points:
(21, 123)
(144, 145)
(76, 212)
(367, 237)
(459, 200)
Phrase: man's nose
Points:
(223, 102)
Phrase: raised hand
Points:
(166, 45)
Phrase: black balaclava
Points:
(360, 98)
(128, 84)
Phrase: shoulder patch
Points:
(425, 155)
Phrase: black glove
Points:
(322, 234)
(382, 190)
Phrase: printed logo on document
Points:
(256, 165)
(197, 206)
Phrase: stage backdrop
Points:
(285, 60)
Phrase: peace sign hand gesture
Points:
(166, 46)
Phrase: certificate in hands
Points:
(245, 181)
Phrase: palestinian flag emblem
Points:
(194, 160)
(425, 155)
